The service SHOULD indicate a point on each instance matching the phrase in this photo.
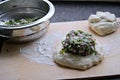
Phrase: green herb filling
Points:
(79, 43)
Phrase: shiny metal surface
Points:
(20, 9)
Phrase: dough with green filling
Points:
(80, 59)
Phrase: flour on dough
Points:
(103, 23)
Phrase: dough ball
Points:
(103, 23)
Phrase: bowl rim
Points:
(37, 22)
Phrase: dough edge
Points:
(78, 62)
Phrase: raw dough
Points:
(78, 62)
(103, 23)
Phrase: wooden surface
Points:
(14, 66)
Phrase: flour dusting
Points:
(42, 50)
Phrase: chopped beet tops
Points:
(19, 22)
(79, 43)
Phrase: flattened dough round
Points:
(77, 62)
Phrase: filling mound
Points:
(79, 43)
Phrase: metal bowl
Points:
(20, 9)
